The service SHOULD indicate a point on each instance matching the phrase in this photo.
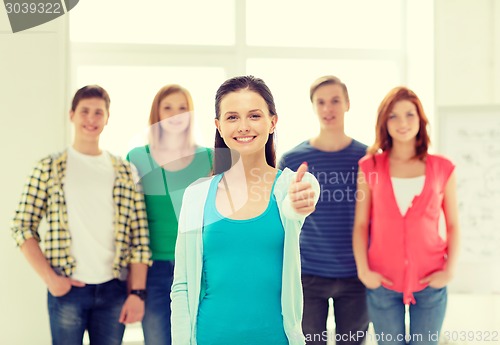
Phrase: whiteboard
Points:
(470, 137)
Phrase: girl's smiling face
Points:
(245, 122)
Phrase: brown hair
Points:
(90, 91)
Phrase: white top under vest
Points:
(88, 190)
(406, 189)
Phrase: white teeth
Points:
(245, 139)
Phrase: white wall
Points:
(33, 112)
(467, 65)
(467, 52)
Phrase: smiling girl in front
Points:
(237, 272)
(400, 256)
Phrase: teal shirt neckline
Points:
(213, 207)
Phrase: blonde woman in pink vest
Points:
(400, 255)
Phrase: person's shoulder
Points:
(45, 162)
(440, 160)
(48, 159)
(142, 148)
(137, 153)
(121, 165)
(357, 145)
(118, 159)
(367, 159)
(294, 157)
(285, 174)
(301, 148)
(198, 188)
(201, 183)
(204, 150)
(370, 160)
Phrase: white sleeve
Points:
(180, 318)
(288, 210)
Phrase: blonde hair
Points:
(327, 80)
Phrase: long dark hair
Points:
(222, 155)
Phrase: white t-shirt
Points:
(405, 190)
(88, 190)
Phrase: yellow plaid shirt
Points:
(43, 196)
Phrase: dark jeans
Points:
(94, 307)
(156, 322)
(351, 316)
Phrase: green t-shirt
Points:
(163, 192)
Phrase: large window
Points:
(371, 45)
(153, 22)
(353, 24)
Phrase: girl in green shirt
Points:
(166, 166)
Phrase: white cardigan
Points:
(187, 289)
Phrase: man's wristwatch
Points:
(140, 293)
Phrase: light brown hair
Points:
(383, 140)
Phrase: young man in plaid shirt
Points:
(97, 236)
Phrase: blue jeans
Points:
(349, 299)
(94, 307)
(387, 312)
(156, 321)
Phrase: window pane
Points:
(367, 83)
(132, 90)
(365, 24)
(153, 22)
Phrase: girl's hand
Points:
(373, 280)
(437, 280)
(301, 194)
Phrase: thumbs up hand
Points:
(301, 193)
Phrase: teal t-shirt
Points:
(242, 278)
(163, 192)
